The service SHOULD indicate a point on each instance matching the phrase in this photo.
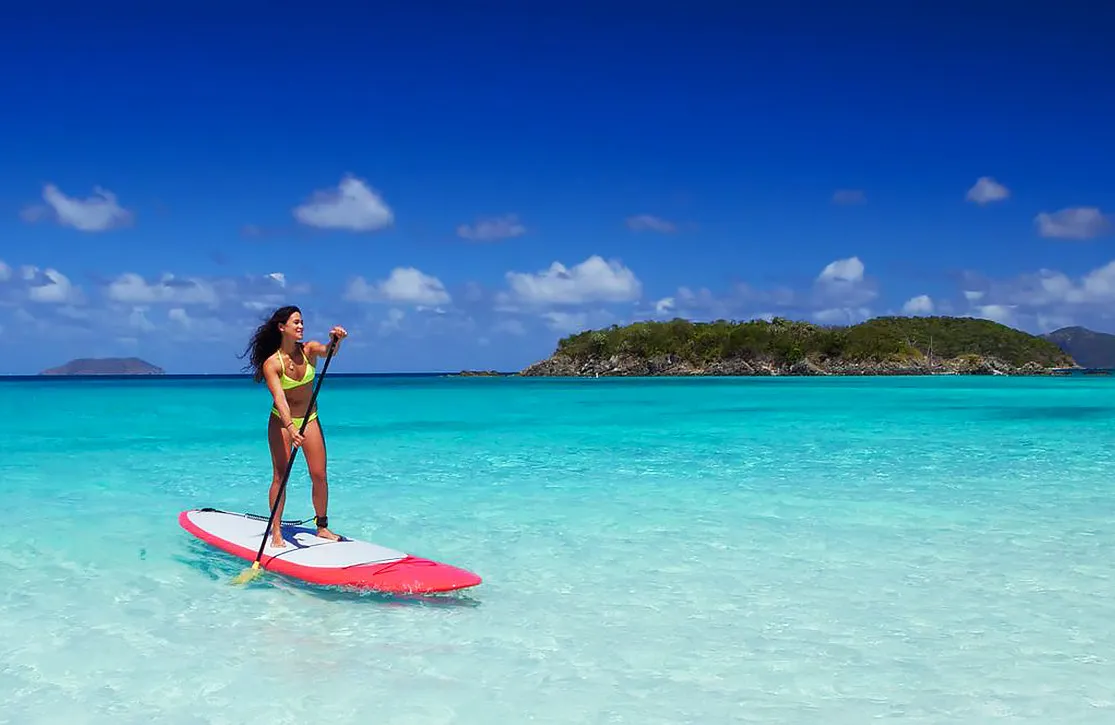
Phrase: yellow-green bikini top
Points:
(289, 382)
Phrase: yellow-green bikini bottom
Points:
(297, 421)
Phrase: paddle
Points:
(249, 574)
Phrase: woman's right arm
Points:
(271, 375)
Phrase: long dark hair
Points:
(265, 340)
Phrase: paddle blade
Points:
(248, 574)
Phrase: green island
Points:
(105, 366)
(896, 345)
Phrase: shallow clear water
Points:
(654, 551)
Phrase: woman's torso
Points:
(297, 383)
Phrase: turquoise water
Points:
(666, 551)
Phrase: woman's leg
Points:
(278, 440)
(313, 447)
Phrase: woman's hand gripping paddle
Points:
(249, 574)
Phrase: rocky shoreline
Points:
(478, 374)
(560, 365)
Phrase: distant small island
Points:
(1089, 348)
(478, 374)
(880, 346)
(105, 366)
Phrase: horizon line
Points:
(424, 373)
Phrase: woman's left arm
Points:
(320, 350)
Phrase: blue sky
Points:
(462, 188)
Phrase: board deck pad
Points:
(348, 562)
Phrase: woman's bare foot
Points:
(277, 542)
(324, 533)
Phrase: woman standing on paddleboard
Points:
(278, 356)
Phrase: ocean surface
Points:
(851, 550)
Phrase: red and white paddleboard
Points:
(345, 563)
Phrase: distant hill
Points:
(105, 366)
(880, 346)
(1089, 348)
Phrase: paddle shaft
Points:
(294, 451)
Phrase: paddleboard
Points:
(345, 563)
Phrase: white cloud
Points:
(664, 306)
(407, 284)
(1096, 287)
(137, 319)
(128, 304)
(504, 227)
(56, 290)
(186, 327)
(841, 284)
(1003, 314)
(1075, 223)
(1050, 288)
(404, 285)
(251, 292)
(393, 321)
(841, 315)
(650, 223)
(263, 293)
(593, 280)
(420, 321)
(688, 298)
(176, 325)
(1044, 299)
(180, 316)
(703, 303)
(842, 270)
(838, 294)
(131, 288)
(1048, 323)
(352, 205)
(5, 271)
(96, 213)
(987, 190)
(920, 305)
(565, 322)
